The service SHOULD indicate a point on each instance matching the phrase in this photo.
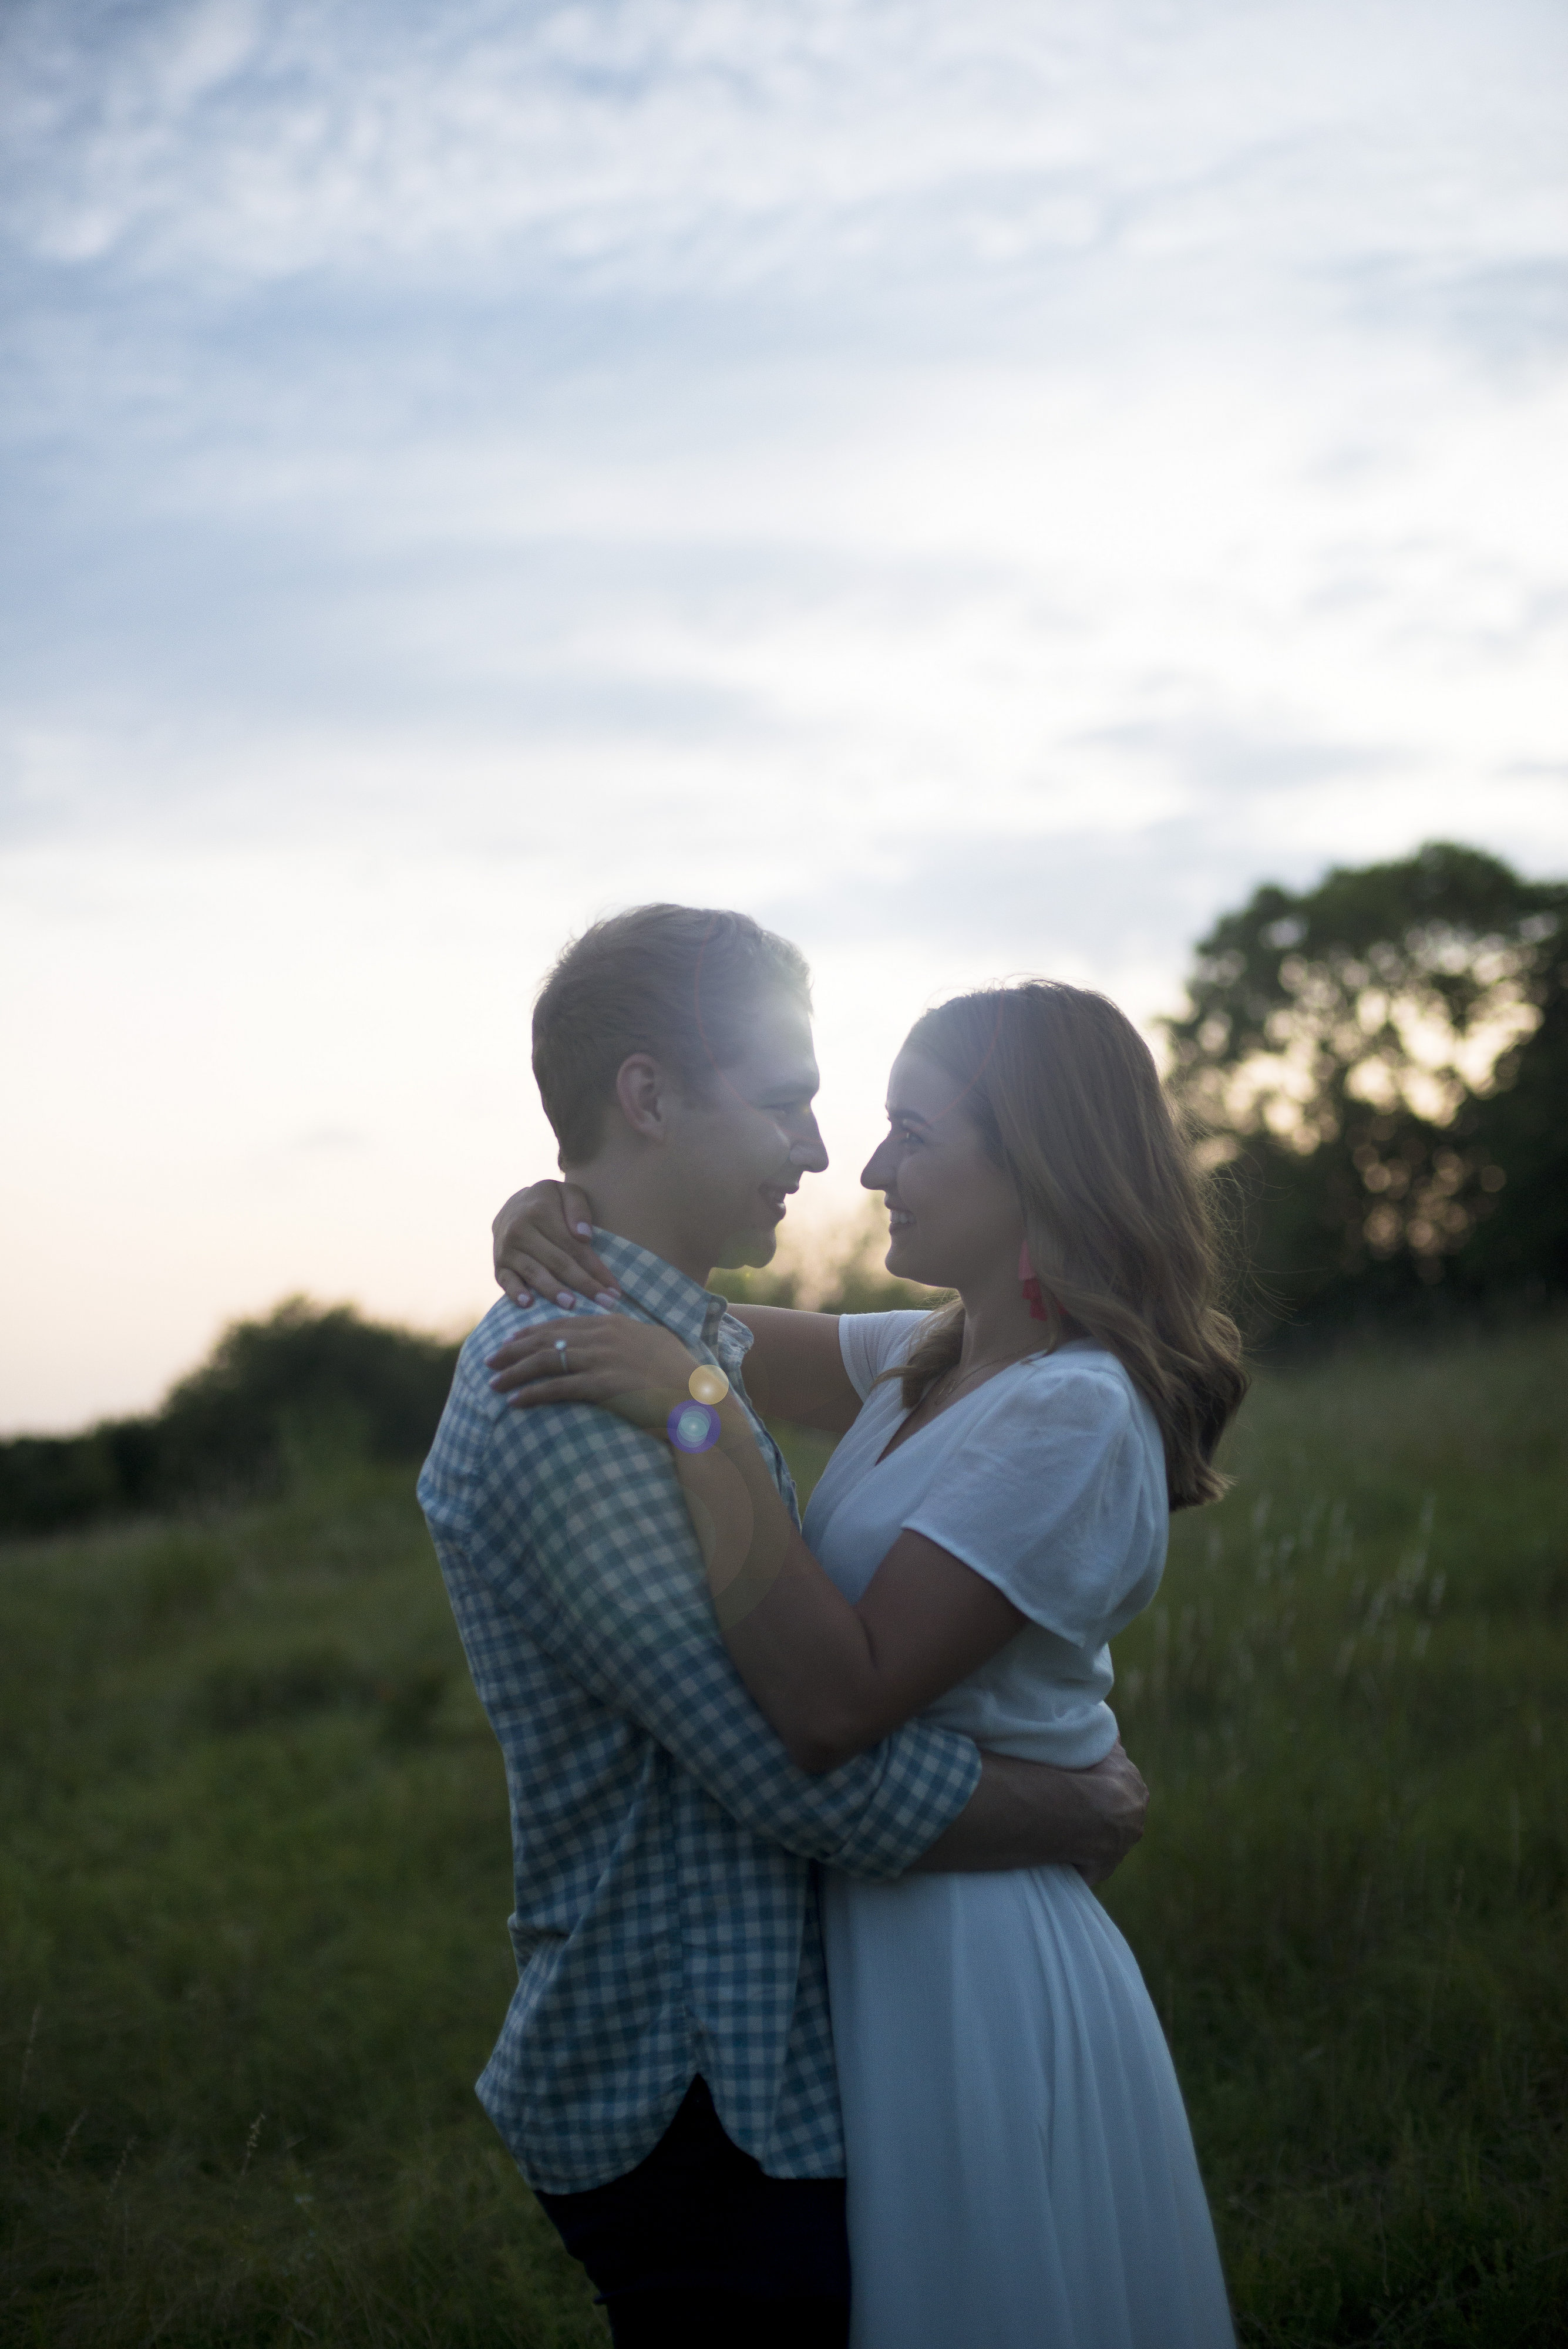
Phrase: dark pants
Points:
(697, 2249)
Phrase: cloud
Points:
(981, 486)
(658, 147)
(1107, 898)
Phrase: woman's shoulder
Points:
(1079, 1363)
(874, 1342)
(890, 1331)
(1083, 1390)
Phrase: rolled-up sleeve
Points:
(591, 1543)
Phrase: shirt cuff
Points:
(929, 1777)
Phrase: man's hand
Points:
(1118, 1811)
(1030, 1815)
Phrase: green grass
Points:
(256, 1882)
(1350, 1906)
(255, 1874)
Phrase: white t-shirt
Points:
(1050, 1481)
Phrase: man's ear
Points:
(643, 1090)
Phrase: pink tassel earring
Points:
(1028, 1284)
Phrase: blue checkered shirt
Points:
(666, 1919)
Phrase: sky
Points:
(979, 488)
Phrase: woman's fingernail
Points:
(606, 1297)
(584, 1231)
(564, 1300)
(524, 1297)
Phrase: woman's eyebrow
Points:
(897, 1116)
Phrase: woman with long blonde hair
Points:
(1020, 2171)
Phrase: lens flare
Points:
(694, 1427)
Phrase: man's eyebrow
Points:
(897, 1116)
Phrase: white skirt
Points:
(1021, 2169)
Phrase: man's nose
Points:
(807, 1150)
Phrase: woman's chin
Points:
(903, 1262)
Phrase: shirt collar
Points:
(697, 1315)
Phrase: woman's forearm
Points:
(795, 1368)
(831, 1678)
(811, 1665)
(801, 1649)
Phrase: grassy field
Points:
(254, 1878)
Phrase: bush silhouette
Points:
(310, 1383)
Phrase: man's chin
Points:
(750, 1248)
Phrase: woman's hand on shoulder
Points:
(636, 1369)
(543, 1243)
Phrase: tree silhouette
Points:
(1384, 1060)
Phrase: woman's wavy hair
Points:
(1120, 1222)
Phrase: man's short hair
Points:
(679, 982)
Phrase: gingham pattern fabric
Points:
(666, 1919)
